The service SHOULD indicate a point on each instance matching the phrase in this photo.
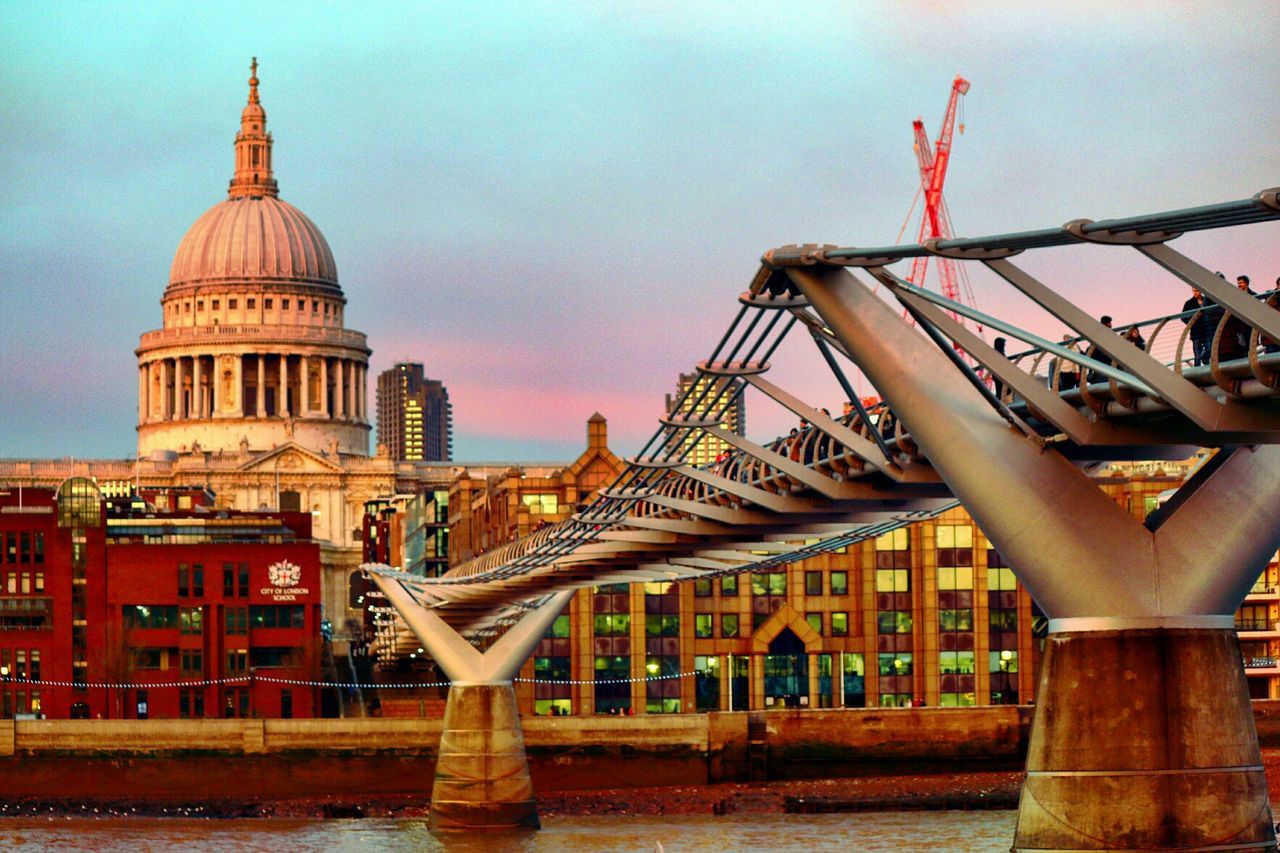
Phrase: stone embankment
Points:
(807, 761)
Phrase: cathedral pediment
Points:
(294, 459)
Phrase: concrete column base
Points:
(482, 775)
(1144, 739)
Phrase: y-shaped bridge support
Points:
(1143, 735)
(482, 774)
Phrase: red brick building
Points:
(113, 608)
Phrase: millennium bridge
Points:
(1171, 761)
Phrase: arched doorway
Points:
(786, 672)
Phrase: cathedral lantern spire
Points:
(253, 175)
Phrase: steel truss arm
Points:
(866, 450)
(460, 660)
(768, 500)
(1038, 510)
(796, 471)
(1041, 398)
(1183, 395)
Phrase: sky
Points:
(554, 206)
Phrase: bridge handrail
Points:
(1261, 207)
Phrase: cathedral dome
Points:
(253, 353)
(251, 238)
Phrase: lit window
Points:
(895, 663)
(893, 580)
(1001, 579)
(955, 536)
(894, 540)
(540, 504)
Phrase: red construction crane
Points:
(936, 221)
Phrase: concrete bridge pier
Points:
(1143, 737)
(482, 773)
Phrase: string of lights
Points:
(298, 682)
(119, 685)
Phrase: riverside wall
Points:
(202, 760)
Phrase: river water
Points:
(879, 831)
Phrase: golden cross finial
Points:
(253, 81)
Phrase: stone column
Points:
(282, 396)
(189, 373)
(355, 390)
(349, 384)
(155, 395)
(239, 384)
(179, 409)
(340, 388)
(324, 386)
(262, 385)
(193, 405)
(304, 387)
(166, 381)
(197, 385)
(364, 392)
(351, 390)
(215, 388)
(143, 397)
(815, 683)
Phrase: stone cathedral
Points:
(254, 388)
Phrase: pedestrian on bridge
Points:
(1202, 324)
(1236, 334)
(998, 345)
(1066, 371)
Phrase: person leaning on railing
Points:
(1066, 372)
(1203, 316)
(1269, 344)
(1233, 339)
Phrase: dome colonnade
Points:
(253, 352)
(206, 386)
